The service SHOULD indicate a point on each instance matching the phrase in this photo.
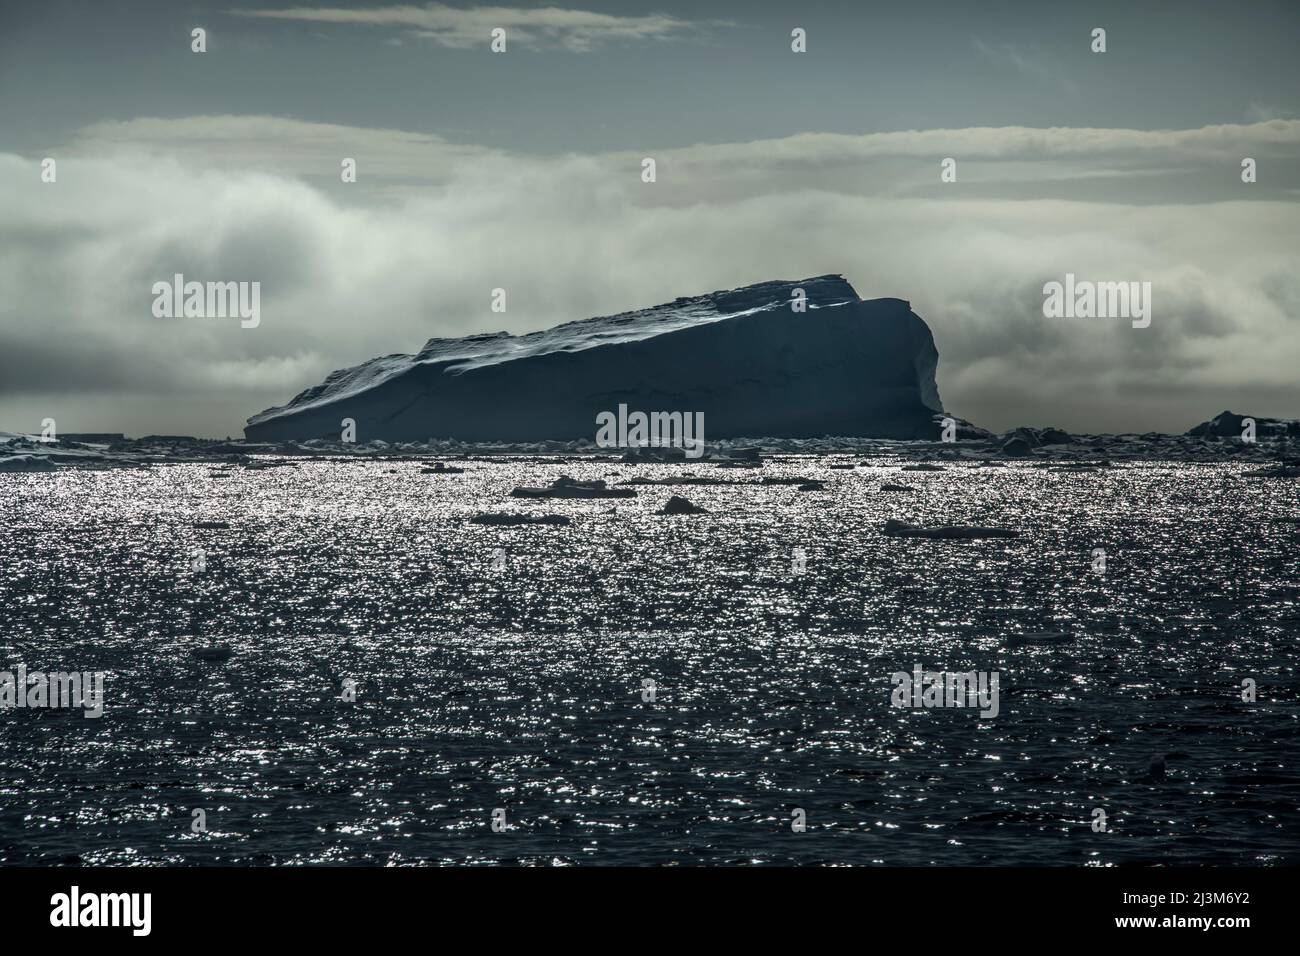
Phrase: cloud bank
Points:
(414, 248)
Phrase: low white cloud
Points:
(280, 144)
(277, 145)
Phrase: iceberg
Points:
(748, 359)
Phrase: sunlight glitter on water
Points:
(482, 685)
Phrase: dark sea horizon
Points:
(635, 688)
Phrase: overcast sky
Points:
(522, 170)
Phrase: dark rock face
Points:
(1035, 437)
(566, 487)
(1017, 447)
(21, 463)
(1229, 425)
(965, 430)
(677, 505)
(1021, 442)
(744, 358)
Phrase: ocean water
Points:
(500, 668)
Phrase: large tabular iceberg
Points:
(746, 359)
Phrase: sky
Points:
(522, 170)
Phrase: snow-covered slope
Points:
(743, 357)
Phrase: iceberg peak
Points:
(780, 358)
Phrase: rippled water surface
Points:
(503, 667)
